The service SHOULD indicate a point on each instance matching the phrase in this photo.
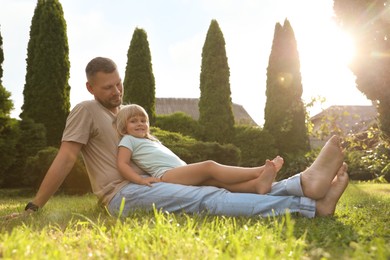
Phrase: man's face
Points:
(107, 89)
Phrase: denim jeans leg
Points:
(206, 199)
(288, 187)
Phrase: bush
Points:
(356, 168)
(76, 182)
(295, 163)
(256, 145)
(9, 133)
(190, 150)
(386, 172)
(31, 138)
(226, 154)
(367, 155)
(179, 123)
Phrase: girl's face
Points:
(137, 126)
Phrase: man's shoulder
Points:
(87, 103)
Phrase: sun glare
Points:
(343, 47)
(326, 49)
(325, 55)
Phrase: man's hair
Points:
(99, 64)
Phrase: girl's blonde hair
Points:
(125, 113)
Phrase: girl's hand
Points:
(149, 180)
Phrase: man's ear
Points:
(89, 87)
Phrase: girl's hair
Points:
(125, 113)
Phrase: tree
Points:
(368, 23)
(1, 57)
(7, 126)
(139, 85)
(215, 103)
(46, 90)
(284, 110)
(6, 104)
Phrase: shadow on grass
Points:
(362, 216)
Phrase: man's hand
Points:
(18, 215)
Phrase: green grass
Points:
(74, 227)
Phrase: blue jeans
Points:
(286, 195)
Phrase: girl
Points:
(138, 145)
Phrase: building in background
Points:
(342, 120)
(167, 106)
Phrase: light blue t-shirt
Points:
(151, 156)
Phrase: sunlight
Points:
(328, 49)
(325, 54)
(343, 47)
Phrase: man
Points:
(89, 130)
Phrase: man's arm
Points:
(59, 169)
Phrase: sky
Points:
(176, 31)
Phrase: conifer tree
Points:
(284, 110)
(46, 90)
(1, 57)
(7, 131)
(368, 23)
(6, 104)
(215, 104)
(139, 84)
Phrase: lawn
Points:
(74, 227)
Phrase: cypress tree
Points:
(139, 84)
(1, 58)
(284, 110)
(7, 129)
(368, 23)
(46, 90)
(215, 104)
(6, 104)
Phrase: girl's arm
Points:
(123, 163)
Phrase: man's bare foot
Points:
(278, 163)
(327, 205)
(316, 179)
(266, 178)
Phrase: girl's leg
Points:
(191, 175)
(198, 173)
(260, 185)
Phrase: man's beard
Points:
(111, 103)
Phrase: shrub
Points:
(256, 145)
(76, 182)
(295, 163)
(31, 138)
(367, 155)
(179, 123)
(386, 172)
(9, 133)
(190, 150)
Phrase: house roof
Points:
(166, 106)
(347, 118)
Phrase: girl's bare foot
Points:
(316, 180)
(327, 205)
(278, 163)
(266, 178)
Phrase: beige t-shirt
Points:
(90, 124)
